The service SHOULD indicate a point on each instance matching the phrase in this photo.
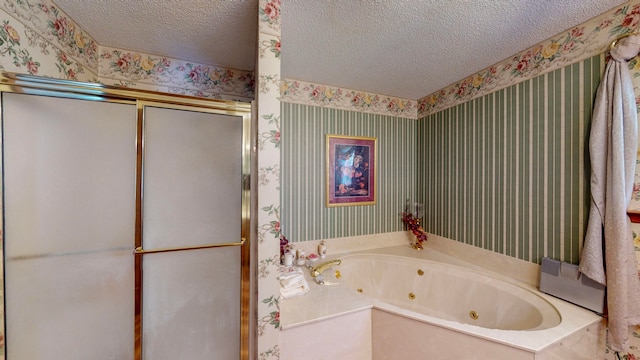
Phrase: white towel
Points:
(288, 272)
(293, 284)
(608, 241)
(291, 281)
(293, 292)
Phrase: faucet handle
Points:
(319, 279)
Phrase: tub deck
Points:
(324, 302)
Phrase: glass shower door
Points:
(69, 218)
(190, 246)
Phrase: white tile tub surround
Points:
(328, 303)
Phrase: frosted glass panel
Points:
(69, 174)
(69, 186)
(191, 307)
(70, 307)
(192, 178)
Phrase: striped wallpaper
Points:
(304, 216)
(507, 171)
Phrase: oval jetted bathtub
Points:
(446, 292)
(431, 305)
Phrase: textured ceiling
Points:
(212, 32)
(412, 48)
(403, 48)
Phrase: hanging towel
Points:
(608, 252)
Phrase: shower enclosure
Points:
(125, 224)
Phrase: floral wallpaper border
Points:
(300, 92)
(579, 43)
(56, 27)
(133, 69)
(38, 38)
(583, 41)
(25, 51)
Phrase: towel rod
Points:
(140, 251)
(615, 41)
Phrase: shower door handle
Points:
(140, 251)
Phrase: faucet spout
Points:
(316, 272)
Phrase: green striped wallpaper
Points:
(507, 171)
(304, 216)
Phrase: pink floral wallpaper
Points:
(268, 148)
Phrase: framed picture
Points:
(351, 170)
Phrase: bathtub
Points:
(423, 303)
(446, 292)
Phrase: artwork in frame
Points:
(351, 170)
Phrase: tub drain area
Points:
(473, 314)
